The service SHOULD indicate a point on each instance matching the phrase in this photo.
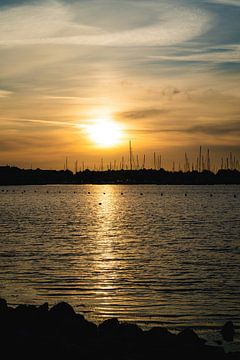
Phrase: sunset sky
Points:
(82, 78)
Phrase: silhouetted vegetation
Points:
(41, 333)
(15, 176)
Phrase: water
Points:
(168, 257)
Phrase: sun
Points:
(105, 132)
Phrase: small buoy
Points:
(211, 195)
(100, 204)
(161, 194)
(121, 193)
(234, 195)
(141, 193)
(185, 194)
(104, 193)
(89, 193)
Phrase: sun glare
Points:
(105, 133)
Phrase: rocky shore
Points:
(41, 332)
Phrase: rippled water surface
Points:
(169, 256)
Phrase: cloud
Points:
(226, 2)
(29, 144)
(55, 23)
(11, 145)
(225, 128)
(230, 127)
(40, 121)
(142, 114)
(227, 53)
(5, 93)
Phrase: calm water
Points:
(165, 259)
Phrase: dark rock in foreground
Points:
(228, 331)
(39, 333)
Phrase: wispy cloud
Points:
(142, 114)
(230, 127)
(5, 93)
(226, 53)
(212, 129)
(55, 23)
(39, 121)
(226, 2)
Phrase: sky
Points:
(165, 74)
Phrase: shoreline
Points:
(118, 184)
(15, 176)
(59, 330)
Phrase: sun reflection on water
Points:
(105, 263)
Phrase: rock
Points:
(130, 330)
(25, 316)
(161, 336)
(66, 326)
(211, 352)
(43, 308)
(60, 332)
(62, 311)
(233, 355)
(85, 327)
(3, 306)
(25, 311)
(228, 331)
(110, 327)
(190, 338)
